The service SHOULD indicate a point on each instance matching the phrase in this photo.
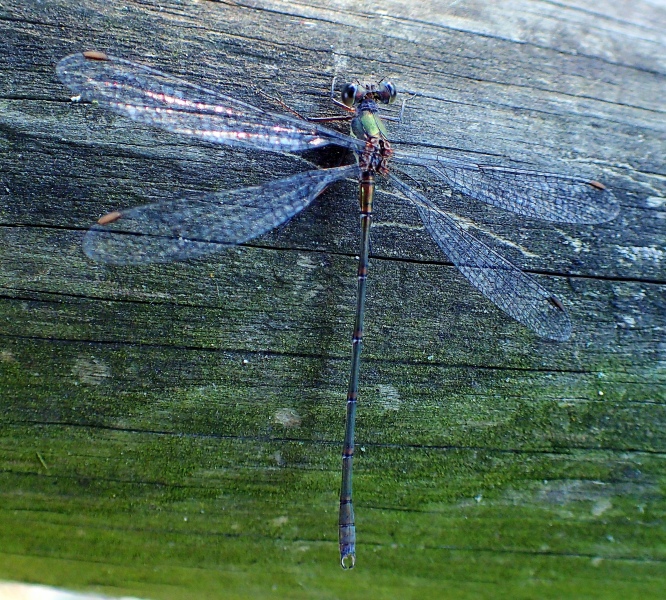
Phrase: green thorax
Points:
(367, 124)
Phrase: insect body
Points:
(185, 228)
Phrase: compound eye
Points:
(348, 94)
(387, 92)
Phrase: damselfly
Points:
(185, 228)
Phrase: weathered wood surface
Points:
(174, 431)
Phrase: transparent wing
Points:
(516, 293)
(191, 227)
(530, 193)
(155, 98)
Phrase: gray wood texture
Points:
(174, 431)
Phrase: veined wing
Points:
(191, 227)
(540, 195)
(516, 293)
(155, 98)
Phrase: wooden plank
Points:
(174, 430)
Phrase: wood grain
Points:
(174, 431)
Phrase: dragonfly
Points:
(190, 227)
